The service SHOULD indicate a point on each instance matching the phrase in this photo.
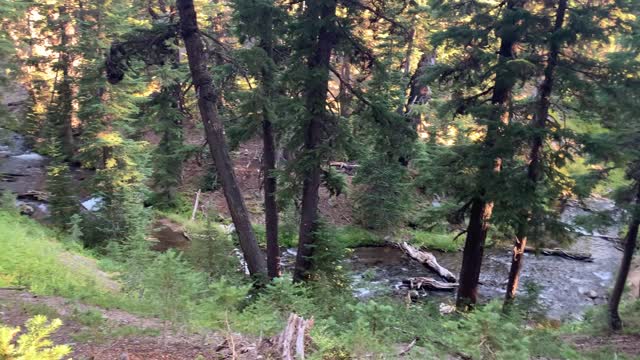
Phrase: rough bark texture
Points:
(480, 208)
(344, 96)
(615, 323)
(207, 100)
(473, 252)
(317, 86)
(418, 92)
(65, 88)
(535, 161)
(269, 157)
(291, 342)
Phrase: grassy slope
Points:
(32, 256)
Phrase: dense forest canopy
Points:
(238, 161)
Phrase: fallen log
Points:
(33, 195)
(571, 255)
(427, 283)
(348, 168)
(427, 259)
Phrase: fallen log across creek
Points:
(427, 259)
(571, 255)
(427, 283)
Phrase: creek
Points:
(567, 288)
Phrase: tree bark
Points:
(214, 132)
(65, 88)
(344, 95)
(269, 156)
(535, 156)
(615, 323)
(317, 86)
(481, 209)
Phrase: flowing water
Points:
(23, 173)
(566, 287)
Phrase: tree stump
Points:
(291, 342)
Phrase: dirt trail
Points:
(106, 334)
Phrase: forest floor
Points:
(106, 334)
(611, 343)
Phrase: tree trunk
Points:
(480, 208)
(317, 86)
(473, 252)
(214, 132)
(65, 88)
(344, 95)
(615, 323)
(534, 168)
(269, 156)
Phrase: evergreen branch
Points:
(355, 92)
(460, 234)
(376, 12)
(230, 59)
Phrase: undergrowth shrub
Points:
(486, 333)
(212, 251)
(382, 196)
(34, 343)
(171, 285)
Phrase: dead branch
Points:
(427, 283)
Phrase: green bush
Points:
(487, 333)
(212, 251)
(33, 344)
(382, 195)
(172, 286)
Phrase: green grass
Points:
(33, 309)
(435, 240)
(353, 236)
(32, 256)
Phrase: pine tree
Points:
(534, 168)
(615, 105)
(256, 21)
(316, 46)
(470, 36)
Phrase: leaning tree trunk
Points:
(480, 208)
(214, 132)
(535, 163)
(317, 86)
(615, 323)
(269, 155)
